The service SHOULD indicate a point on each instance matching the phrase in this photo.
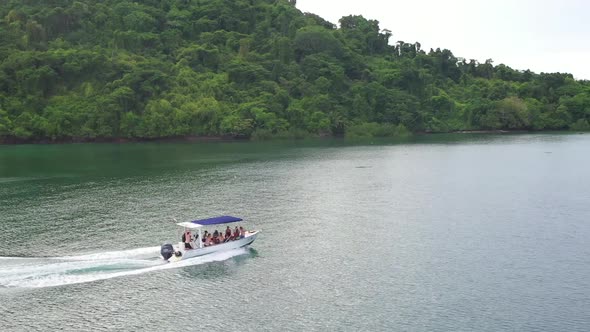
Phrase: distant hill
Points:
(93, 69)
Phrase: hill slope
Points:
(159, 68)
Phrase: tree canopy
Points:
(253, 68)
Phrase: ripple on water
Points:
(429, 236)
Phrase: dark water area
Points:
(433, 233)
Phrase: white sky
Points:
(542, 35)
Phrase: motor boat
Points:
(192, 243)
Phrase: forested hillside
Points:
(251, 68)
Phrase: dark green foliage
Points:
(252, 68)
(316, 39)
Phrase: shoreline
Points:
(496, 131)
(12, 140)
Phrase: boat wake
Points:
(33, 272)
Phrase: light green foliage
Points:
(202, 116)
(509, 113)
(5, 124)
(158, 118)
(581, 125)
(237, 126)
(250, 68)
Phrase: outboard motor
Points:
(167, 251)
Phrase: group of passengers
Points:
(217, 237)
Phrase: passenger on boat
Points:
(242, 232)
(236, 234)
(205, 235)
(208, 240)
(227, 234)
(186, 238)
(216, 237)
(221, 237)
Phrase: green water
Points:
(435, 233)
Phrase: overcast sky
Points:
(541, 35)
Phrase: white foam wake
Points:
(38, 273)
(149, 252)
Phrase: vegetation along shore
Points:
(110, 70)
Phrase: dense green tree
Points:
(5, 124)
(509, 113)
(316, 39)
(89, 69)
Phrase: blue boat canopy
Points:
(209, 221)
(217, 220)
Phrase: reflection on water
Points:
(214, 270)
(431, 233)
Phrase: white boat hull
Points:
(230, 245)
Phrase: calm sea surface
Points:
(437, 233)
